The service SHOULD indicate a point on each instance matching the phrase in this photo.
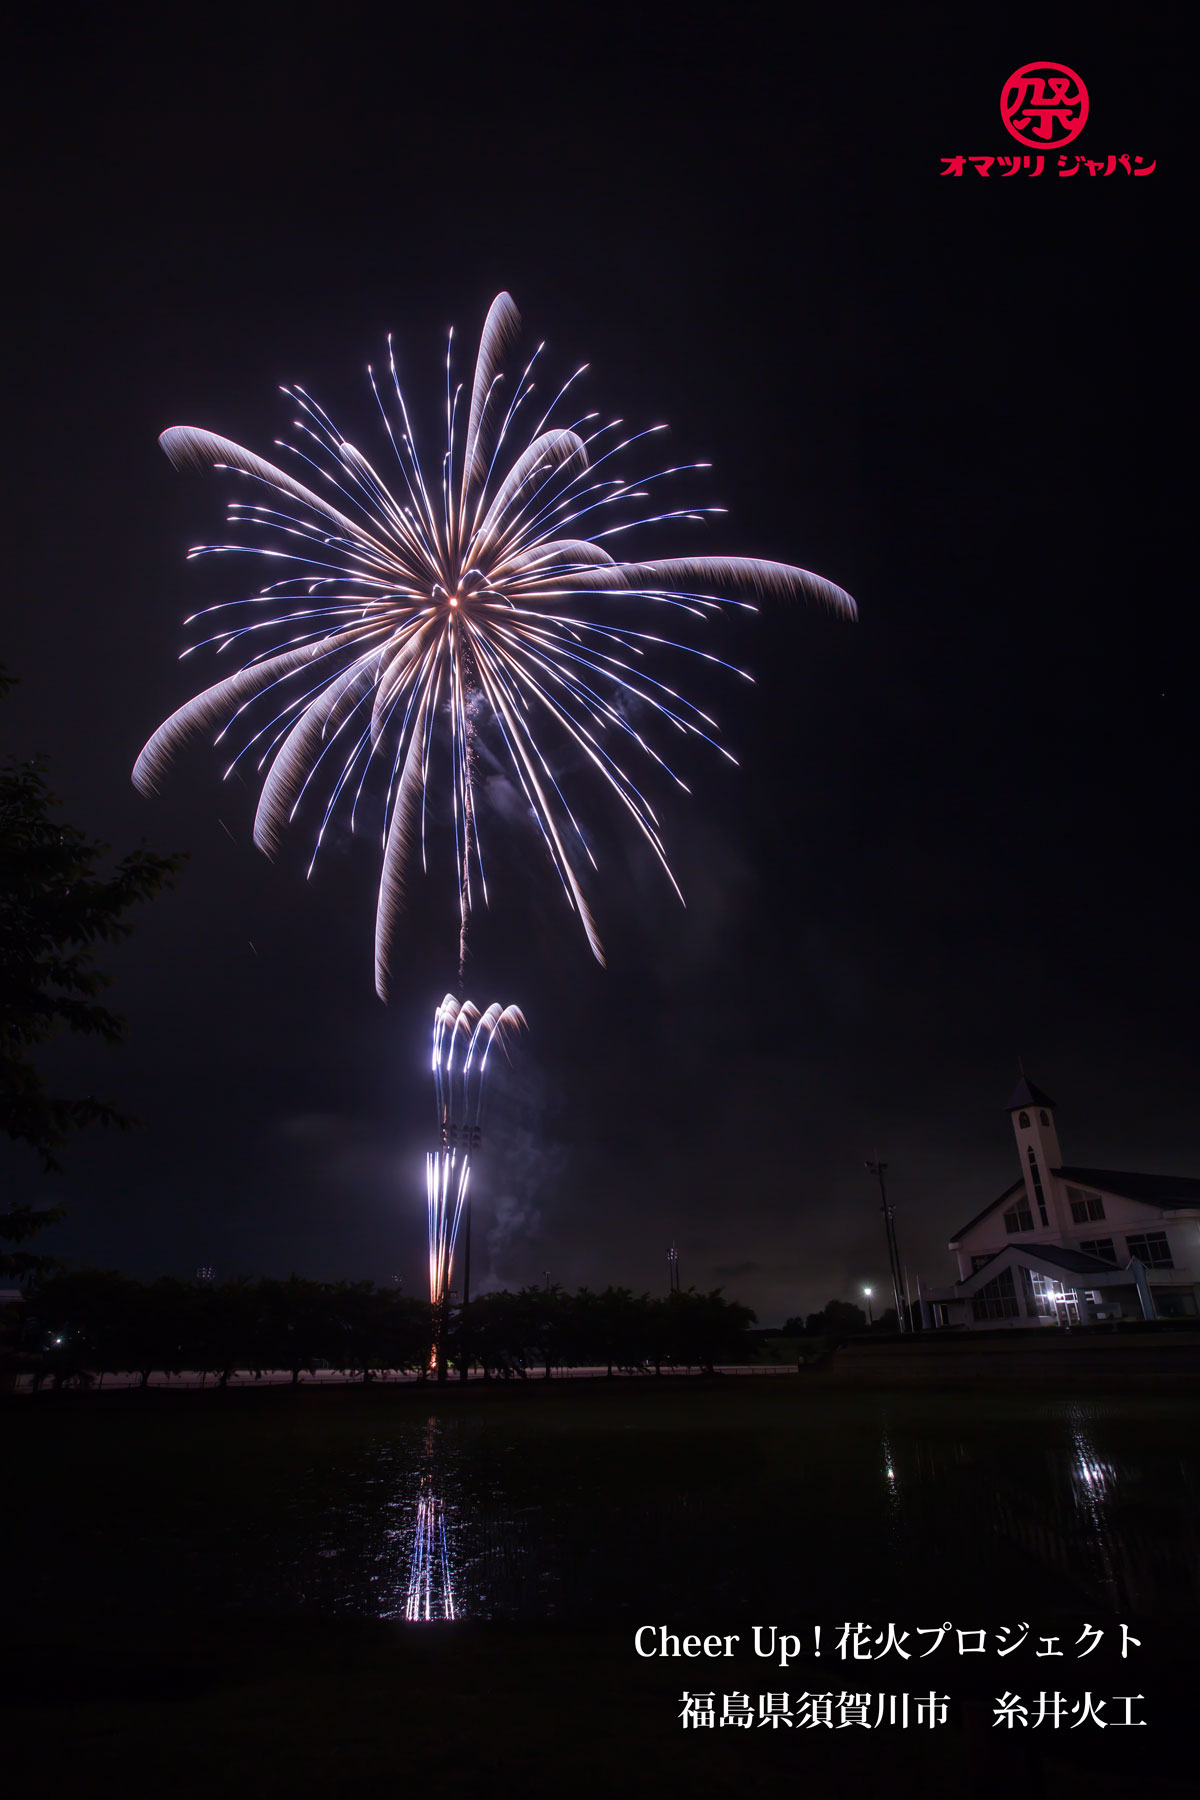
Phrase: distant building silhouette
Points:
(1067, 1244)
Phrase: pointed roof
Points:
(1016, 1188)
(1025, 1094)
(1058, 1258)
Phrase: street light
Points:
(867, 1292)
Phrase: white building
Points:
(1066, 1244)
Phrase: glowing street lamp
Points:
(867, 1292)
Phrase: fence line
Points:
(192, 1378)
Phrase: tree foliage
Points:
(56, 909)
(92, 1323)
(839, 1319)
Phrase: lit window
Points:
(1152, 1248)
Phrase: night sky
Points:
(961, 831)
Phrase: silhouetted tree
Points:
(55, 909)
(706, 1328)
(840, 1319)
(294, 1322)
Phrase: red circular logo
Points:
(1044, 105)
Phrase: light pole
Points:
(879, 1171)
(867, 1292)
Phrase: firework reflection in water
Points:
(430, 1577)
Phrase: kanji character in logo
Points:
(1011, 1710)
(1052, 1706)
(1087, 1708)
(698, 1710)
(853, 1709)
(773, 1710)
(1044, 105)
(855, 1640)
(892, 1642)
(737, 1710)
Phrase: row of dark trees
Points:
(93, 1323)
(839, 1319)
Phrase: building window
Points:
(1175, 1306)
(1152, 1248)
(1018, 1217)
(997, 1299)
(977, 1262)
(1084, 1206)
(1051, 1300)
(1023, 1121)
(1036, 1176)
(1044, 1116)
(1100, 1247)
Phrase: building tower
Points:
(1032, 1114)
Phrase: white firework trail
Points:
(463, 1037)
(408, 613)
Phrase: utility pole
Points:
(879, 1171)
(464, 1368)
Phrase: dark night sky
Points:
(962, 830)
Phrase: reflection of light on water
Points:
(1094, 1483)
(1094, 1479)
(430, 1582)
(430, 1592)
(891, 1488)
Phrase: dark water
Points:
(845, 1503)
(598, 1506)
(213, 1569)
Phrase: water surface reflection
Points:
(879, 1504)
(430, 1575)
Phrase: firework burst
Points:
(410, 613)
